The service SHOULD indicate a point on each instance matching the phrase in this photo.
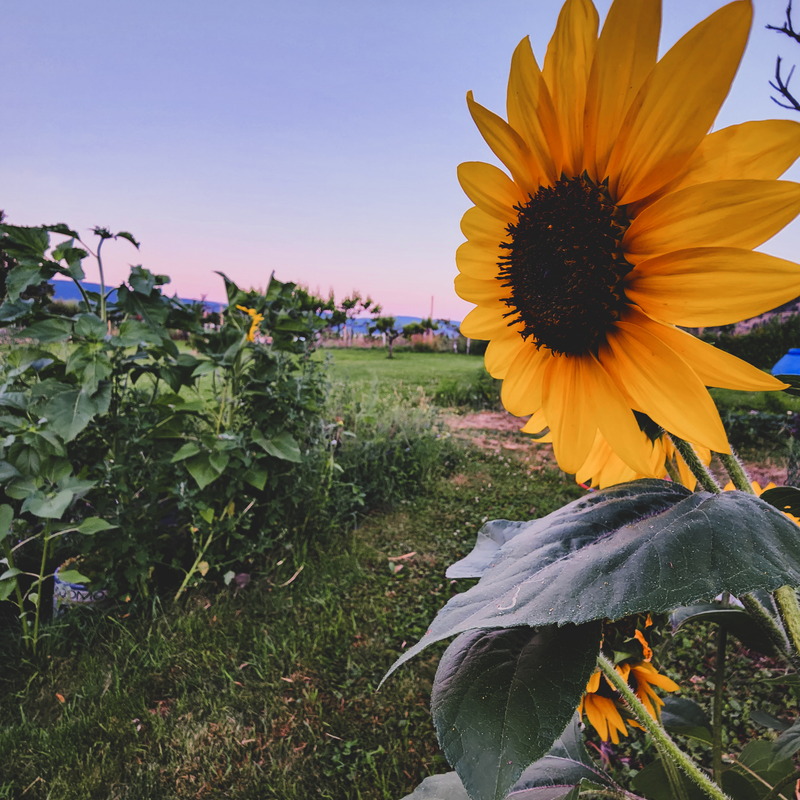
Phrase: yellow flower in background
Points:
(255, 321)
(623, 218)
(601, 711)
(729, 487)
(599, 701)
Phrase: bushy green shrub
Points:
(165, 463)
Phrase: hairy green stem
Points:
(103, 315)
(194, 566)
(668, 749)
(734, 468)
(39, 585)
(776, 634)
(673, 472)
(698, 468)
(786, 598)
(719, 682)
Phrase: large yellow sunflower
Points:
(621, 219)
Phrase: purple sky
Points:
(316, 139)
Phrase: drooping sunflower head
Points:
(619, 219)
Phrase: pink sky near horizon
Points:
(319, 141)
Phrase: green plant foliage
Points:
(667, 547)
(493, 705)
(733, 618)
(684, 716)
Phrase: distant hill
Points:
(67, 291)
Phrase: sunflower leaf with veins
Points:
(644, 546)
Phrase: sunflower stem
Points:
(719, 681)
(776, 635)
(786, 598)
(668, 749)
(698, 468)
(735, 469)
(673, 471)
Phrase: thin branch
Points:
(781, 86)
(787, 26)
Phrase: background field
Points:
(268, 689)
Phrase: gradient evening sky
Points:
(314, 138)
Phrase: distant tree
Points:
(386, 326)
(351, 307)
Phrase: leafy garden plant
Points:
(115, 441)
(619, 219)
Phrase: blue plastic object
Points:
(789, 364)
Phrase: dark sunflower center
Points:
(564, 266)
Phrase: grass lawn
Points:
(404, 373)
(271, 692)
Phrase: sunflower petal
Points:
(482, 293)
(714, 367)
(507, 145)
(566, 73)
(482, 228)
(522, 388)
(649, 371)
(569, 405)
(678, 103)
(490, 189)
(723, 214)
(531, 112)
(617, 422)
(501, 352)
(760, 150)
(711, 285)
(617, 74)
(536, 424)
(484, 323)
(478, 260)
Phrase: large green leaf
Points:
(282, 446)
(494, 701)
(69, 413)
(644, 546)
(6, 518)
(684, 716)
(91, 364)
(92, 525)
(90, 326)
(755, 772)
(733, 618)
(201, 470)
(20, 278)
(49, 507)
(440, 787)
(788, 743)
(14, 309)
(786, 498)
(567, 764)
(50, 330)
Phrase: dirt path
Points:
(496, 431)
